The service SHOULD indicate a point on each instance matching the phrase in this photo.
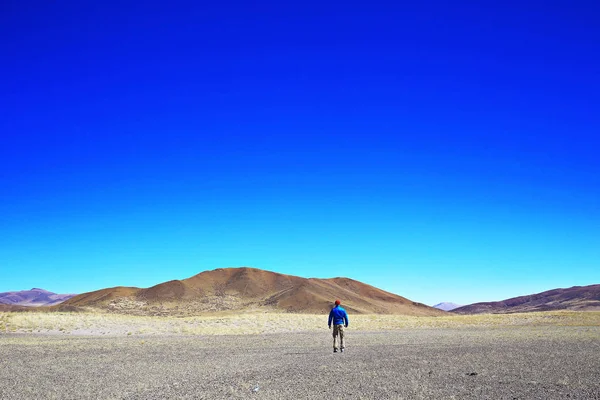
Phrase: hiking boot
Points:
(342, 350)
(335, 350)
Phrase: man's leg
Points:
(335, 333)
(341, 332)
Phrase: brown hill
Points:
(9, 307)
(244, 289)
(580, 298)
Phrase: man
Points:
(339, 317)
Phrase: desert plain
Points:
(546, 355)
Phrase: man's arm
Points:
(346, 318)
(330, 318)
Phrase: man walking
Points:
(339, 317)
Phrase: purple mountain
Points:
(33, 298)
(579, 298)
(447, 306)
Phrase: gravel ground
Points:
(441, 363)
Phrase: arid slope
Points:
(577, 298)
(250, 289)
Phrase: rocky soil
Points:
(441, 363)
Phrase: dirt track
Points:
(494, 363)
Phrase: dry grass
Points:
(256, 323)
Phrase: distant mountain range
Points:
(446, 306)
(33, 298)
(243, 289)
(580, 298)
(250, 289)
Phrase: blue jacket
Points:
(338, 315)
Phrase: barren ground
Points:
(476, 362)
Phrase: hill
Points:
(578, 298)
(446, 306)
(7, 307)
(33, 298)
(246, 289)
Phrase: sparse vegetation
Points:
(3, 319)
(89, 323)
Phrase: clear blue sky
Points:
(443, 151)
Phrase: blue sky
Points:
(442, 151)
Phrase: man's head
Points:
(337, 302)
